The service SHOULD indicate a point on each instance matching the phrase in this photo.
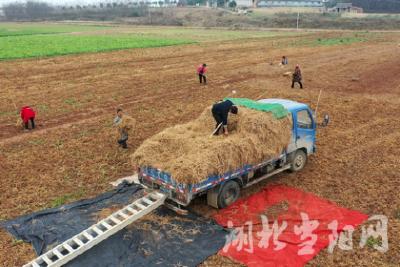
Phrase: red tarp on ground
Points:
(277, 245)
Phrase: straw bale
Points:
(126, 126)
(190, 154)
(128, 123)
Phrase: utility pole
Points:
(297, 23)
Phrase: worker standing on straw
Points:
(28, 115)
(297, 76)
(220, 113)
(201, 71)
(123, 133)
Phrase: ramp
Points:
(90, 237)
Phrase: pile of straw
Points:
(128, 123)
(126, 126)
(190, 154)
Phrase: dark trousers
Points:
(202, 78)
(32, 123)
(122, 142)
(301, 85)
(218, 120)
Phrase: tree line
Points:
(33, 10)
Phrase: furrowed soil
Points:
(73, 152)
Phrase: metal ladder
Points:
(90, 237)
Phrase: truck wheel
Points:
(229, 193)
(299, 161)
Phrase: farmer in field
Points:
(122, 131)
(284, 60)
(297, 76)
(28, 115)
(220, 113)
(201, 71)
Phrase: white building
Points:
(303, 3)
(245, 3)
(152, 3)
(271, 3)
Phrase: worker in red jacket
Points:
(28, 114)
(201, 71)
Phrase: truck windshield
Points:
(304, 120)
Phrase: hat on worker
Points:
(234, 109)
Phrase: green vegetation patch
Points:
(18, 29)
(329, 41)
(337, 41)
(204, 35)
(13, 47)
(59, 201)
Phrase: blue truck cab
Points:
(223, 190)
(304, 125)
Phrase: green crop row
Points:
(14, 47)
(18, 29)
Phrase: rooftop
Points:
(344, 5)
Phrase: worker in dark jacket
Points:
(297, 76)
(28, 114)
(220, 113)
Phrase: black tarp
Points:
(164, 239)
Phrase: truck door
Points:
(305, 130)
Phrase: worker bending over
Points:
(201, 71)
(220, 113)
(28, 114)
(297, 76)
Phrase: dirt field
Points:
(73, 153)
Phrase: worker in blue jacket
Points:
(220, 113)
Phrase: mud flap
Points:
(212, 196)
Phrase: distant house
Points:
(346, 8)
(152, 3)
(356, 9)
(245, 3)
(304, 3)
(343, 7)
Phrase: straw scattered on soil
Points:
(220, 261)
(104, 213)
(155, 221)
(190, 154)
(274, 211)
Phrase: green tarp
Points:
(277, 110)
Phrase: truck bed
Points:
(184, 193)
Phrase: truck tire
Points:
(298, 161)
(229, 193)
